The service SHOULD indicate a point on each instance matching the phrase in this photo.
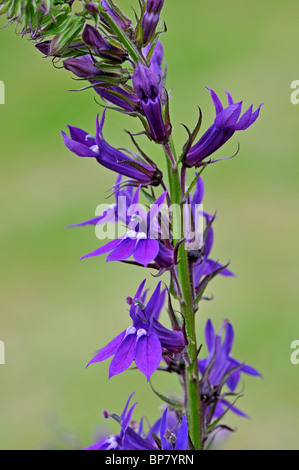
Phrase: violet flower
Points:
(227, 122)
(147, 89)
(144, 341)
(115, 442)
(220, 361)
(84, 145)
(173, 433)
(141, 241)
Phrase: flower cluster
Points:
(123, 62)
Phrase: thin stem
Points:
(177, 188)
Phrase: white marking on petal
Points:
(141, 332)
(141, 236)
(131, 330)
(132, 234)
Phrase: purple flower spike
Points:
(151, 18)
(147, 89)
(144, 341)
(84, 145)
(227, 122)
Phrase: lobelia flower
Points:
(131, 437)
(227, 122)
(117, 212)
(147, 89)
(221, 361)
(141, 241)
(144, 341)
(115, 442)
(151, 18)
(92, 37)
(84, 145)
(173, 435)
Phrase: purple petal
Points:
(244, 120)
(210, 336)
(216, 101)
(124, 356)
(146, 251)
(229, 98)
(229, 339)
(229, 116)
(104, 249)
(254, 117)
(81, 150)
(182, 437)
(148, 354)
(127, 406)
(153, 303)
(234, 409)
(108, 350)
(123, 250)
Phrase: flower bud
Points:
(147, 89)
(92, 37)
(151, 18)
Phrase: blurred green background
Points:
(56, 311)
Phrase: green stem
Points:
(187, 309)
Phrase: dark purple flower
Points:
(151, 18)
(227, 122)
(82, 67)
(144, 341)
(84, 145)
(147, 89)
(141, 241)
(223, 362)
(92, 37)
